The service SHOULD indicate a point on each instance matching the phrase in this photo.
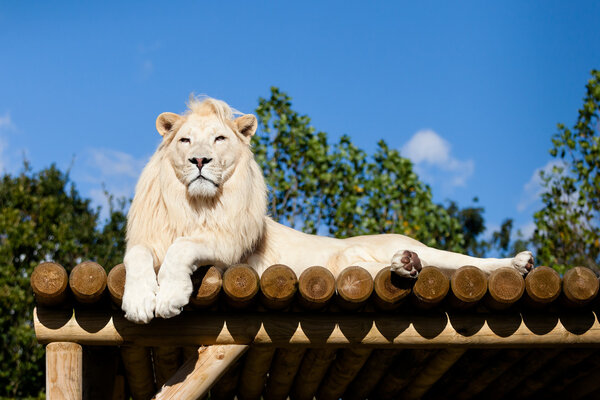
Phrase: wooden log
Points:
(64, 368)
(87, 282)
(167, 360)
(315, 329)
(580, 286)
(431, 287)
(354, 287)
(100, 366)
(342, 372)
(207, 281)
(436, 367)
(278, 286)
(370, 374)
(254, 372)
(116, 283)
(518, 373)
(390, 289)
(542, 286)
(226, 387)
(138, 370)
(565, 362)
(468, 285)
(588, 383)
(198, 374)
(316, 286)
(49, 283)
(283, 370)
(497, 367)
(556, 387)
(505, 288)
(469, 365)
(311, 372)
(240, 285)
(402, 372)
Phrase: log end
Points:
(316, 286)
(469, 284)
(87, 282)
(116, 283)
(278, 285)
(506, 285)
(240, 284)
(207, 281)
(543, 285)
(432, 286)
(49, 283)
(390, 289)
(580, 285)
(354, 285)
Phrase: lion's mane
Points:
(161, 211)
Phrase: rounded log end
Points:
(316, 286)
(278, 284)
(116, 283)
(87, 282)
(207, 281)
(240, 283)
(469, 284)
(390, 288)
(543, 285)
(49, 283)
(506, 285)
(432, 285)
(580, 285)
(354, 285)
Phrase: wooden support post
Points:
(226, 387)
(64, 368)
(254, 372)
(342, 372)
(240, 285)
(542, 286)
(370, 374)
(312, 370)
(518, 373)
(278, 285)
(167, 360)
(87, 282)
(404, 369)
(354, 287)
(316, 287)
(437, 366)
(207, 281)
(198, 374)
(497, 367)
(556, 387)
(49, 283)
(580, 286)
(565, 362)
(505, 288)
(468, 285)
(100, 366)
(431, 287)
(138, 369)
(116, 283)
(390, 289)
(283, 370)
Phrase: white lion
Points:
(201, 199)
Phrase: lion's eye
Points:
(184, 140)
(219, 138)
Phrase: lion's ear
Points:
(165, 122)
(246, 125)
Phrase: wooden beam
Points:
(278, 286)
(468, 286)
(207, 282)
(371, 373)
(316, 286)
(64, 368)
(542, 286)
(138, 369)
(354, 287)
(312, 370)
(505, 288)
(389, 290)
(88, 282)
(322, 330)
(166, 360)
(580, 286)
(240, 285)
(116, 283)
(342, 372)
(198, 374)
(254, 372)
(283, 370)
(431, 287)
(49, 283)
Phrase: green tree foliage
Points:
(338, 189)
(567, 227)
(42, 217)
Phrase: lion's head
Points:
(202, 181)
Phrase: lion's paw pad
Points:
(406, 263)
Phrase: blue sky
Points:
(480, 85)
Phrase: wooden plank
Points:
(319, 330)
(64, 366)
(198, 374)
(312, 370)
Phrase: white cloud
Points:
(6, 121)
(433, 158)
(533, 189)
(6, 124)
(527, 229)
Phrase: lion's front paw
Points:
(172, 296)
(139, 299)
(523, 262)
(406, 263)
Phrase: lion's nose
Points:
(200, 162)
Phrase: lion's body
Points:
(201, 200)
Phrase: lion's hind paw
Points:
(523, 262)
(406, 263)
